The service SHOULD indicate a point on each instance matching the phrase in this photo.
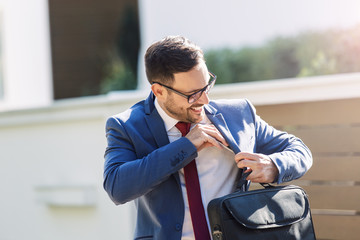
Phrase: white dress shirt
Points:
(216, 169)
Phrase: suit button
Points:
(287, 178)
(178, 227)
(174, 161)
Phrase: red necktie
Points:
(192, 184)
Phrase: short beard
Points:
(181, 114)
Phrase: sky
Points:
(262, 19)
(245, 22)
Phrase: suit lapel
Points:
(219, 122)
(157, 127)
(155, 122)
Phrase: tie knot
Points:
(183, 127)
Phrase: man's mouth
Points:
(197, 109)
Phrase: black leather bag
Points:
(275, 212)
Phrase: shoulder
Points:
(133, 114)
(241, 104)
(233, 108)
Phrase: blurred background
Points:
(65, 66)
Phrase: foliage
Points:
(121, 69)
(308, 54)
(128, 39)
(119, 76)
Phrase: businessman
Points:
(177, 150)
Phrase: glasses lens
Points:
(194, 97)
(210, 86)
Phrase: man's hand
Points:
(206, 136)
(262, 167)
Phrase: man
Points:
(148, 160)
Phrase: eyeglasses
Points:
(196, 95)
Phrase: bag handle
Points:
(241, 184)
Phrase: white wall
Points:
(27, 77)
(51, 173)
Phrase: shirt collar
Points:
(169, 122)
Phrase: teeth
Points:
(197, 108)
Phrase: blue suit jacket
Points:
(141, 164)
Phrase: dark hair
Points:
(173, 54)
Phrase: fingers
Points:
(206, 135)
(262, 167)
(213, 133)
(247, 160)
(246, 156)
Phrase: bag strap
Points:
(241, 184)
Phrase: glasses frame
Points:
(205, 89)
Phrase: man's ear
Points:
(158, 91)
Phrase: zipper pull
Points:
(217, 234)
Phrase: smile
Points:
(197, 109)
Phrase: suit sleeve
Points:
(290, 155)
(126, 176)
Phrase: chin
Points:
(197, 119)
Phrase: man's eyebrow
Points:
(193, 91)
(196, 90)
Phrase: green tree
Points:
(308, 54)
